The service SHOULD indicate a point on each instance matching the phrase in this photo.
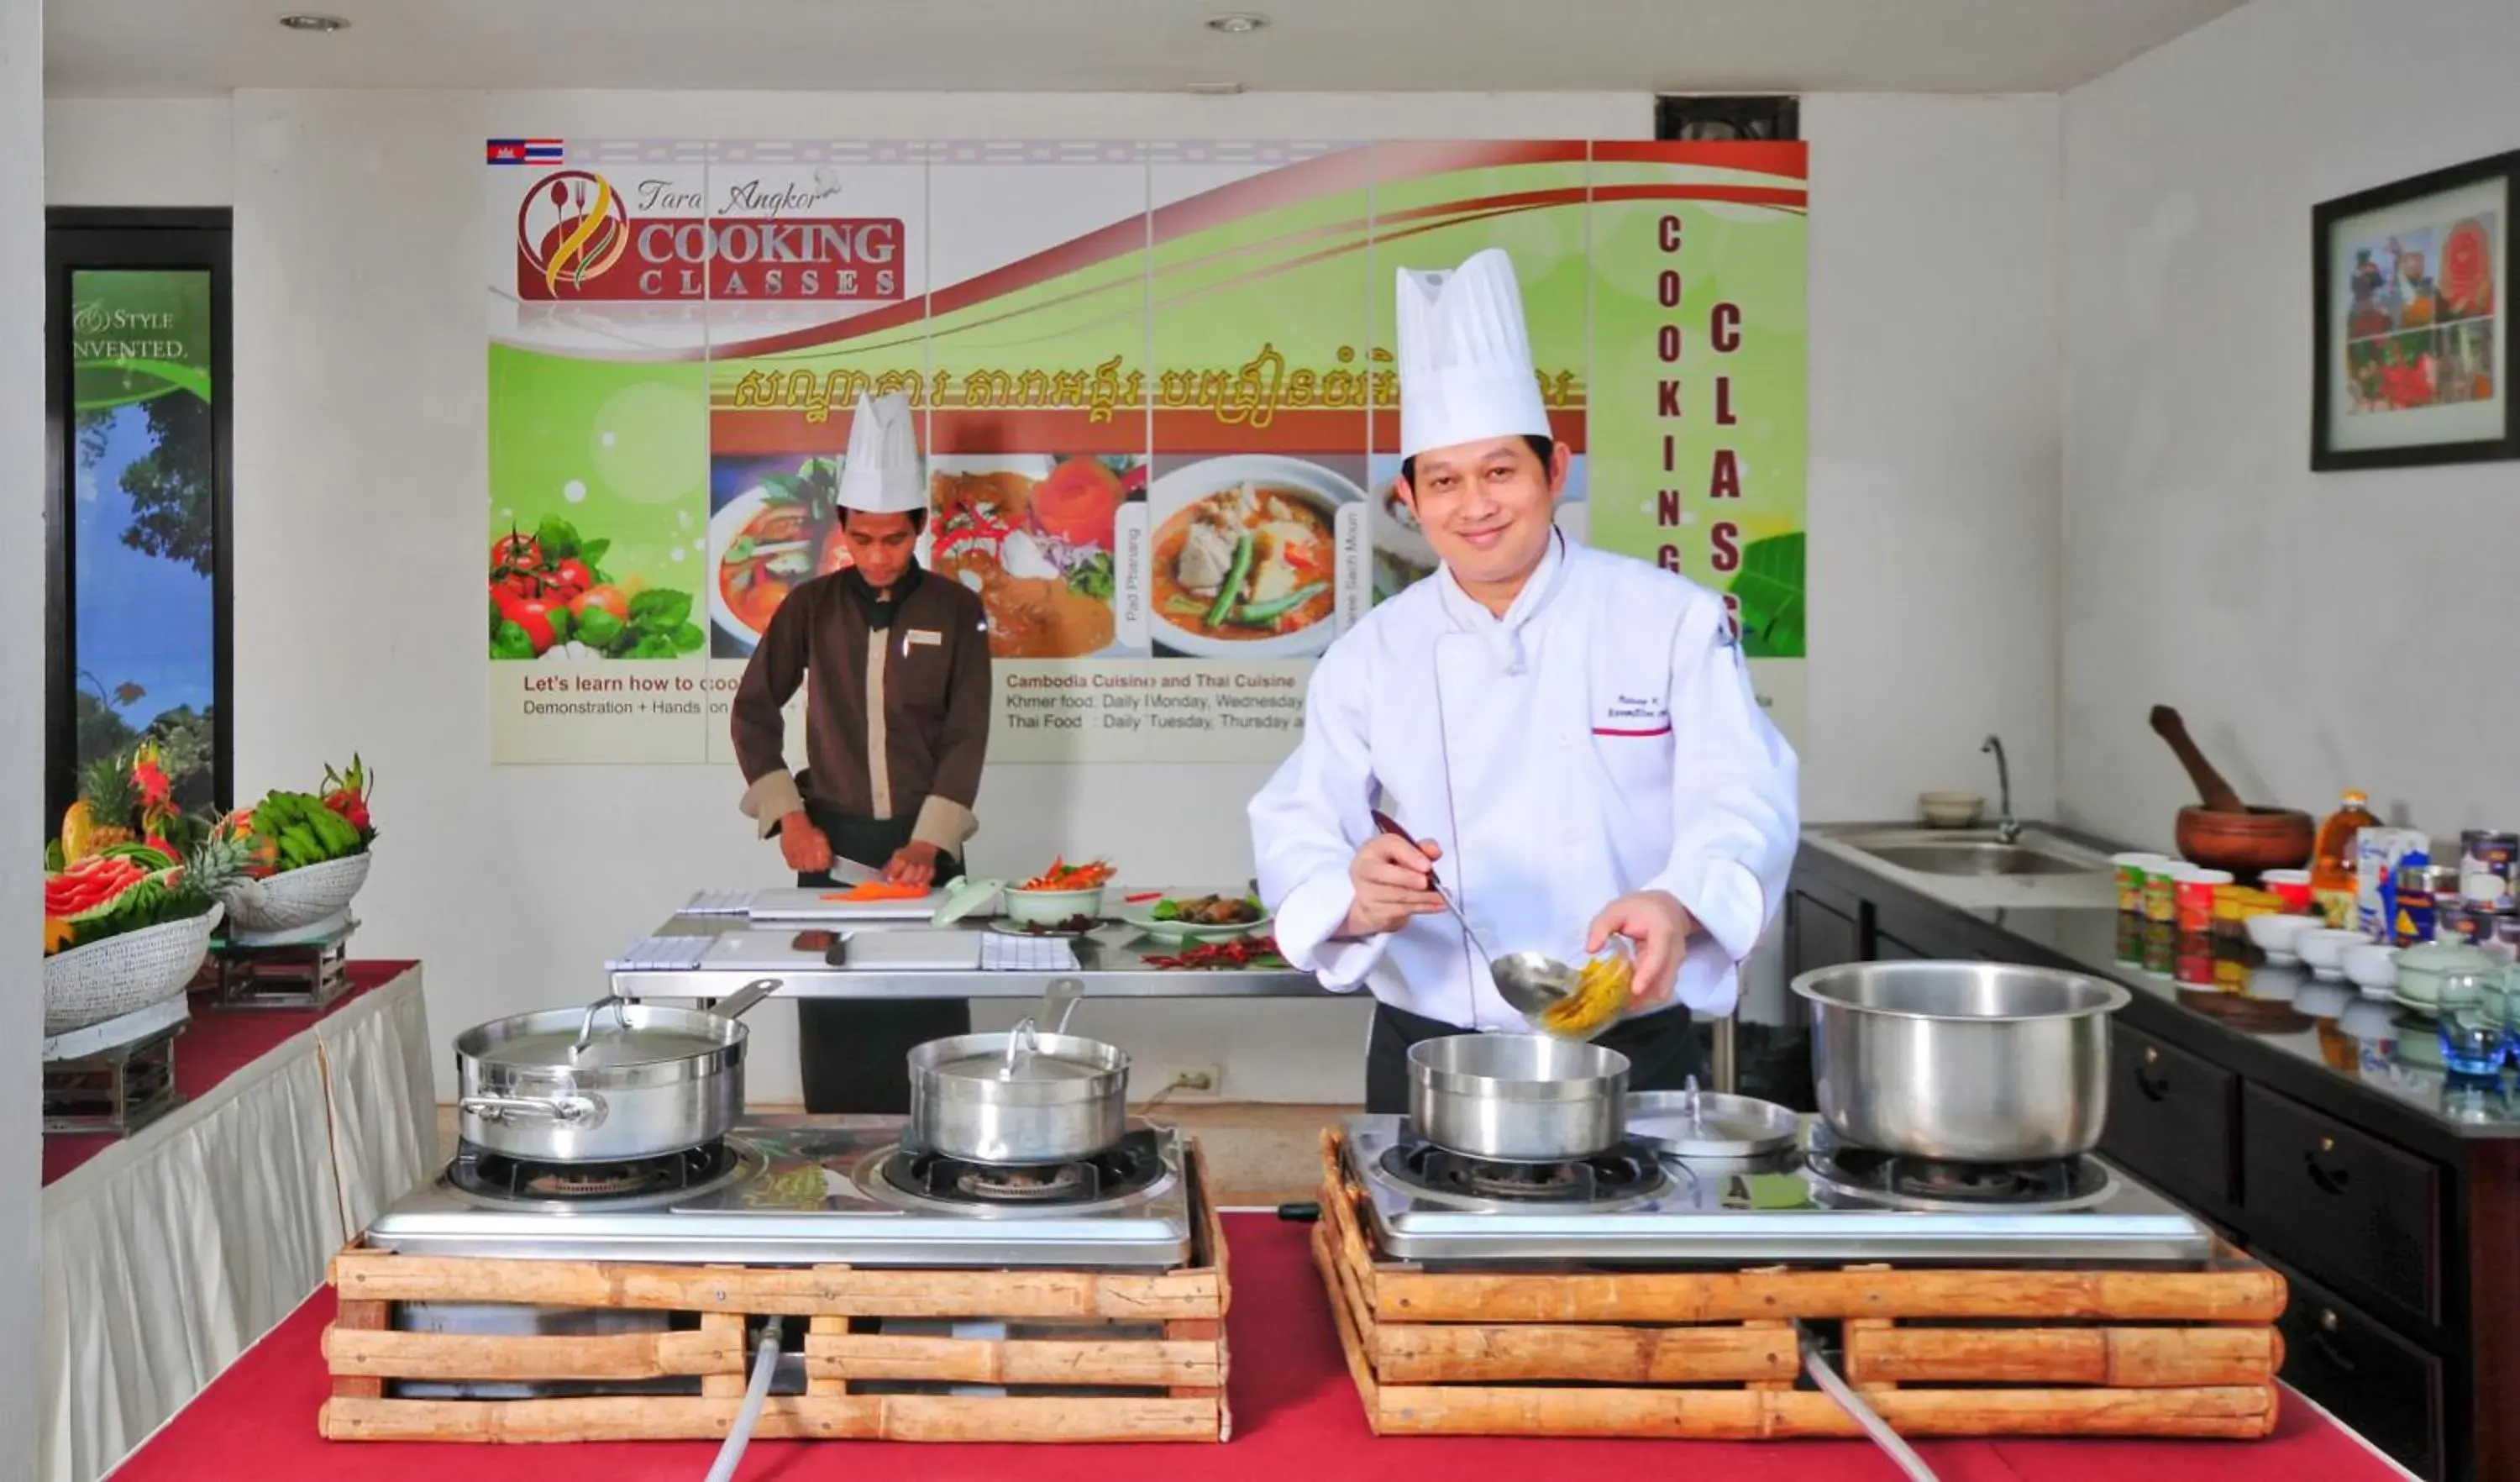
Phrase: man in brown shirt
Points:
(896, 664)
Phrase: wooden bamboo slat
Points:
(2119, 1358)
(813, 1418)
(1713, 1355)
(1163, 1385)
(1128, 1363)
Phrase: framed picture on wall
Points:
(2412, 349)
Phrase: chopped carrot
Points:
(877, 890)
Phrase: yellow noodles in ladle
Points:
(1600, 996)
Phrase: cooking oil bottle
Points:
(2332, 866)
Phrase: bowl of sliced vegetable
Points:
(1058, 894)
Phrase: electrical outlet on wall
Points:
(1183, 1083)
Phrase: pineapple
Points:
(112, 802)
(216, 867)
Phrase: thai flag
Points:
(526, 152)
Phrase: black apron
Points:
(855, 1053)
(1661, 1051)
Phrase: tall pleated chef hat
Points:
(881, 475)
(1465, 373)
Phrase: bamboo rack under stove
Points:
(1167, 1389)
(1711, 1354)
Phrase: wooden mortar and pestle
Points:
(2224, 833)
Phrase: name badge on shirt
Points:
(918, 635)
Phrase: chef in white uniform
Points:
(1570, 735)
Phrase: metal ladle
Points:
(1528, 981)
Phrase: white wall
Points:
(150, 152)
(2318, 631)
(22, 740)
(1933, 450)
(360, 461)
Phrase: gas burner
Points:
(1912, 1183)
(497, 1179)
(1627, 1172)
(1130, 1166)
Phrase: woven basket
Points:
(298, 898)
(124, 974)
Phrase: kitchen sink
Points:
(1978, 859)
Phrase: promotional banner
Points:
(1155, 392)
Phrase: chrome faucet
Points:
(2007, 828)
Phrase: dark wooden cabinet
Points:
(2371, 1379)
(1820, 935)
(2397, 1233)
(2343, 1204)
(2170, 1122)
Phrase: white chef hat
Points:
(881, 474)
(1465, 370)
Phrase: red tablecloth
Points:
(217, 1044)
(1295, 1419)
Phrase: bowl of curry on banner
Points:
(1244, 561)
(1034, 535)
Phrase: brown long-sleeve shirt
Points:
(898, 717)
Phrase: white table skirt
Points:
(167, 1256)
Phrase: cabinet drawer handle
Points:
(2154, 1087)
(2333, 1181)
(2325, 1341)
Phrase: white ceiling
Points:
(145, 48)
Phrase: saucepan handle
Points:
(569, 1111)
(745, 997)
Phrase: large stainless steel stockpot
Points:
(607, 1082)
(1983, 1063)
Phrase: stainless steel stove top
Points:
(812, 1190)
(1785, 1210)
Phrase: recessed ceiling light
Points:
(1239, 23)
(321, 26)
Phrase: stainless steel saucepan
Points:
(611, 1080)
(1975, 1061)
(1517, 1098)
(1019, 1097)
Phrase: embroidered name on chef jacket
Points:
(1633, 716)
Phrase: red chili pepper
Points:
(1239, 952)
(1144, 896)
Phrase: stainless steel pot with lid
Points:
(1517, 1098)
(1983, 1063)
(606, 1083)
(1023, 1097)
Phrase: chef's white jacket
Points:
(1601, 738)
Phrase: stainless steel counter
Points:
(1111, 963)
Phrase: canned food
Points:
(2129, 945)
(2462, 924)
(2292, 887)
(2195, 900)
(2506, 938)
(2419, 891)
(2487, 860)
(2132, 869)
(2160, 890)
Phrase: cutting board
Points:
(912, 951)
(813, 905)
(764, 951)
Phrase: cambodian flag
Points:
(525, 151)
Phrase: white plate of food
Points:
(1191, 916)
(1035, 537)
(764, 544)
(1244, 561)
